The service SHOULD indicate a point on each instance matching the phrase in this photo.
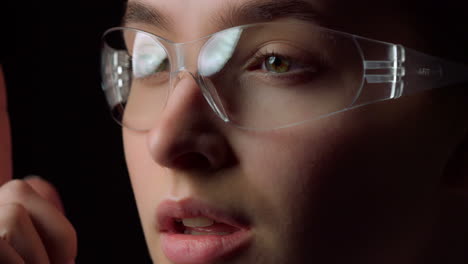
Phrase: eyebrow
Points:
(137, 12)
(253, 11)
(256, 11)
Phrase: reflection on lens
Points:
(148, 56)
(217, 51)
(258, 76)
(135, 68)
(282, 73)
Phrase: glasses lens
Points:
(136, 77)
(281, 74)
(259, 76)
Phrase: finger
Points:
(8, 255)
(17, 229)
(56, 232)
(45, 190)
(5, 144)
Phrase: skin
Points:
(385, 183)
(377, 184)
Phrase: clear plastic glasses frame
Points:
(264, 76)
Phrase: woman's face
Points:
(362, 186)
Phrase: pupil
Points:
(275, 61)
(278, 64)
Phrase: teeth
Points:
(195, 233)
(197, 222)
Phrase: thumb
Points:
(45, 190)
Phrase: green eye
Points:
(277, 64)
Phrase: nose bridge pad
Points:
(184, 64)
(207, 88)
(212, 97)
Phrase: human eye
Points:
(276, 63)
(284, 63)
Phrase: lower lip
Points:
(202, 249)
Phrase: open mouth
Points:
(202, 226)
(193, 233)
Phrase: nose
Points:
(188, 134)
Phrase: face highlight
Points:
(362, 186)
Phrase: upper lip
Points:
(169, 211)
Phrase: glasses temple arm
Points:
(423, 72)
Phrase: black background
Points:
(61, 126)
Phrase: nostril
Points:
(192, 160)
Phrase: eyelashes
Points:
(285, 66)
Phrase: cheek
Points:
(148, 181)
(139, 163)
(285, 173)
(356, 155)
(290, 163)
(349, 176)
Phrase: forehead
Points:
(184, 9)
(195, 17)
(184, 20)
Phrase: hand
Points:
(33, 228)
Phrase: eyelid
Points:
(296, 55)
